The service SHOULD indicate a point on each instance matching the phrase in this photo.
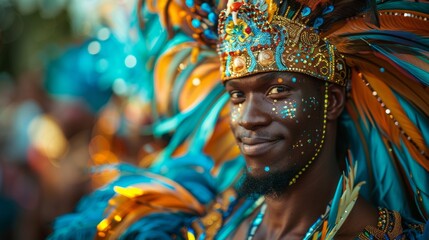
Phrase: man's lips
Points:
(254, 146)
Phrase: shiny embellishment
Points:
(305, 12)
(238, 31)
(322, 141)
(239, 64)
(389, 113)
(275, 43)
(256, 222)
(266, 57)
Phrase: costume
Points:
(382, 47)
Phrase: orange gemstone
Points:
(266, 57)
(235, 6)
(238, 65)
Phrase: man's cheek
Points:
(284, 109)
(235, 113)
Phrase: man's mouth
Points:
(254, 146)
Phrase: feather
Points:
(205, 131)
(390, 19)
(324, 230)
(387, 114)
(335, 204)
(347, 201)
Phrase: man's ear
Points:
(336, 101)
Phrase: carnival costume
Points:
(378, 50)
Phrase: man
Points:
(287, 91)
(289, 67)
(271, 143)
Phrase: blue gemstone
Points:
(294, 79)
(190, 3)
(267, 169)
(212, 17)
(318, 22)
(196, 23)
(210, 34)
(382, 70)
(206, 7)
(306, 11)
(258, 221)
(328, 9)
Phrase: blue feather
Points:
(335, 203)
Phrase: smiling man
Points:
(279, 121)
(287, 86)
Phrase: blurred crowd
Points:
(71, 96)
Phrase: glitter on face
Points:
(310, 103)
(289, 110)
(307, 106)
(235, 112)
(285, 109)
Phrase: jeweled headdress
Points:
(254, 37)
(385, 46)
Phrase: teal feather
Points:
(388, 190)
(421, 74)
(244, 211)
(352, 133)
(187, 126)
(206, 129)
(335, 203)
(403, 5)
(228, 173)
(416, 175)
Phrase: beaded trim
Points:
(322, 141)
(410, 14)
(389, 113)
(389, 226)
(256, 222)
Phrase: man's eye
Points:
(278, 90)
(236, 94)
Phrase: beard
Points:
(272, 185)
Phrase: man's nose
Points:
(254, 114)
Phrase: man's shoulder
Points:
(390, 225)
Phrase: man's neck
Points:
(293, 212)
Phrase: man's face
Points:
(277, 119)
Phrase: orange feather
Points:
(370, 104)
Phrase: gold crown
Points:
(253, 40)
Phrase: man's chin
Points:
(269, 184)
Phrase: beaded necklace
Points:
(256, 222)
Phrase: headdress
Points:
(385, 51)
(385, 46)
(254, 36)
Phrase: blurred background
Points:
(72, 95)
